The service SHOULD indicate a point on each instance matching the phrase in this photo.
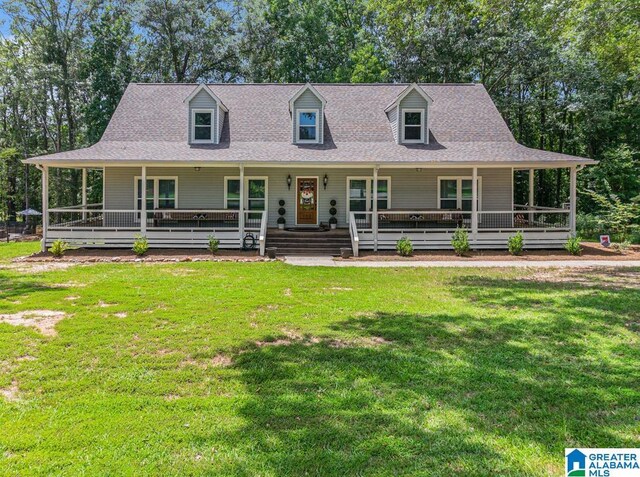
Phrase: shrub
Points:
(460, 241)
(516, 243)
(404, 247)
(333, 220)
(282, 220)
(58, 248)
(140, 245)
(621, 247)
(573, 246)
(333, 211)
(214, 244)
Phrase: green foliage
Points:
(620, 217)
(460, 241)
(140, 245)
(621, 247)
(58, 248)
(404, 247)
(214, 244)
(515, 243)
(573, 245)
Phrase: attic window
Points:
(202, 125)
(307, 126)
(412, 125)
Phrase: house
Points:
(415, 160)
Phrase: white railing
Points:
(532, 220)
(410, 220)
(262, 237)
(353, 232)
(112, 219)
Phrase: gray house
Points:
(182, 162)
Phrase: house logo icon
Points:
(576, 463)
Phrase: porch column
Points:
(84, 192)
(45, 206)
(573, 186)
(531, 193)
(241, 212)
(474, 205)
(143, 206)
(374, 218)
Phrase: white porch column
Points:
(84, 192)
(143, 206)
(573, 196)
(374, 218)
(45, 206)
(531, 187)
(241, 212)
(474, 205)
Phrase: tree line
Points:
(563, 73)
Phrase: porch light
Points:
(325, 181)
(289, 181)
(197, 169)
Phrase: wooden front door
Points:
(307, 201)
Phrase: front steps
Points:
(308, 242)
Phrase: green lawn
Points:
(164, 370)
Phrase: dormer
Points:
(409, 116)
(307, 116)
(206, 116)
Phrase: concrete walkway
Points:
(324, 261)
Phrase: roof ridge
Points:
(302, 84)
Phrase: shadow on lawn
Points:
(450, 395)
(14, 286)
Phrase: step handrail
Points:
(353, 233)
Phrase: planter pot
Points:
(333, 226)
(281, 226)
(345, 252)
(271, 252)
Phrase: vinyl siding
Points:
(203, 100)
(393, 120)
(414, 101)
(204, 189)
(308, 100)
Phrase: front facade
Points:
(239, 159)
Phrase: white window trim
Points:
(246, 189)
(317, 126)
(156, 199)
(212, 127)
(459, 190)
(422, 114)
(369, 180)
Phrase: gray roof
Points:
(151, 125)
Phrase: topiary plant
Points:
(281, 212)
(516, 243)
(404, 247)
(460, 241)
(214, 244)
(140, 245)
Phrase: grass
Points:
(165, 370)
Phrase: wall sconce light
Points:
(289, 181)
(197, 169)
(418, 169)
(325, 181)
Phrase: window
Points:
(255, 193)
(162, 193)
(457, 193)
(202, 125)
(412, 125)
(307, 126)
(360, 197)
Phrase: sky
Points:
(4, 23)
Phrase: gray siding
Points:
(204, 189)
(414, 101)
(393, 120)
(203, 100)
(308, 100)
(221, 115)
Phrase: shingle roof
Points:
(151, 124)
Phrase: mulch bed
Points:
(155, 255)
(592, 251)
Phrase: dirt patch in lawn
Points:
(11, 393)
(293, 337)
(591, 251)
(155, 255)
(43, 320)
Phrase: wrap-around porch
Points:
(183, 207)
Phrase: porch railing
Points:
(556, 219)
(353, 232)
(262, 236)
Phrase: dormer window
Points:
(413, 125)
(202, 126)
(307, 126)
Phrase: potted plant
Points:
(281, 212)
(333, 221)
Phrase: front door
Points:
(307, 201)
